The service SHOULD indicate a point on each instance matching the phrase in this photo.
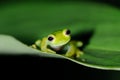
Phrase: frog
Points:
(58, 41)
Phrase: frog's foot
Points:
(49, 51)
(69, 55)
(33, 46)
(78, 53)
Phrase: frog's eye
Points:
(67, 32)
(51, 37)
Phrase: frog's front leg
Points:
(36, 45)
(78, 51)
(73, 50)
(44, 46)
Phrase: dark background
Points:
(111, 2)
(51, 68)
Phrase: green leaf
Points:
(30, 21)
(104, 46)
(11, 46)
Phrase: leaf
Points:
(30, 21)
(11, 46)
(103, 49)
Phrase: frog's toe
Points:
(78, 53)
(79, 43)
(33, 46)
(51, 51)
(38, 42)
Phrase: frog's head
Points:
(59, 38)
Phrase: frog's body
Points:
(58, 41)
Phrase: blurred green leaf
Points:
(104, 49)
(30, 21)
